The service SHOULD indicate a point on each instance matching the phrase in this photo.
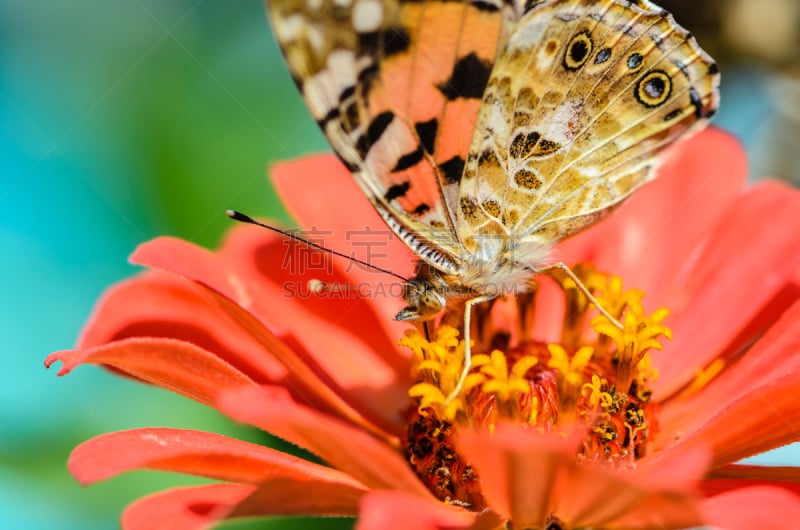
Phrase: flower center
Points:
(596, 376)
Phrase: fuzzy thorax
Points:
(495, 267)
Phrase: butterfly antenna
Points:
(238, 216)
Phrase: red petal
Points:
(666, 490)
(350, 224)
(652, 235)
(375, 463)
(198, 507)
(506, 463)
(757, 507)
(235, 297)
(337, 330)
(393, 509)
(158, 304)
(528, 476)
(734, 477)
(341, 208)
(195, 453)
(188, 508)
(658, 497)
(341, 215)
(290, 496)
(172, 364)
(740, 270)
(751, 407)
(766, 418)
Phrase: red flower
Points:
(240, 331)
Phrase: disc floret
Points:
(597, 377)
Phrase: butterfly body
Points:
(486, 131)
(497, 268)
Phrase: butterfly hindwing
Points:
(396, 86)
(580, 101)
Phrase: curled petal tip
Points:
(63, 356)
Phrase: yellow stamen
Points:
(571, 370)
(611, 295)
(639, 334)
(499, 381)
(597, 374)
(645, 376)
(570, 374)
(431, 396)
(439, 366)
(596, 396)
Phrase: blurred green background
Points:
(123, 120)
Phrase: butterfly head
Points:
(428, 292)
(425, 298)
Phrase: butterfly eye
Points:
(578, 51)
(654, 89)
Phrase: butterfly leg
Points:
(582, 288)
(467, 346)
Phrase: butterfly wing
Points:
(396, 87)
(583, 97)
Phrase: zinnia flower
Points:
(565, 421)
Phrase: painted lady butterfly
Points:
(485, 131)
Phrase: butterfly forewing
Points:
(396, 87)
(580, 101)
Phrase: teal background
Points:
(122, 120)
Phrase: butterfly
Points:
(486, 131)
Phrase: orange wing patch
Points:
(396, 87)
